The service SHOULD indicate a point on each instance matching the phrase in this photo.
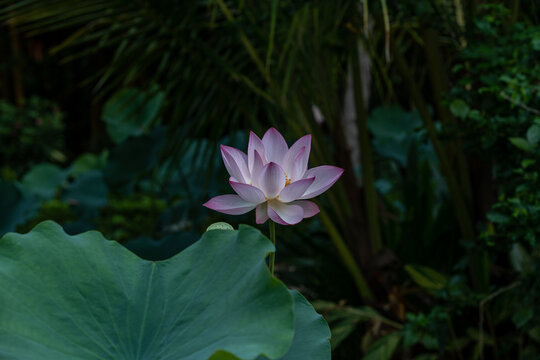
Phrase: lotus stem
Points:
(273, 239)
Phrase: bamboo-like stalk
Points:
(460, 20)
(516, 4)
(368, 172)
(386, 19)
(439, 85)
(346, 257)
(271, 36)
(18, 90)
(365, 13)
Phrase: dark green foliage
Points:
(497, 100)
(30, 135)
(52, 209)
(132, 158)
(178, 77)
(129, 217)
(497, 83)
(16, 206)
(429, 330)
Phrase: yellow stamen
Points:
(287, 180)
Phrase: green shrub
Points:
(30, 135)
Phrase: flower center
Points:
(287, 180)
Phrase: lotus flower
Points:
(274, 179)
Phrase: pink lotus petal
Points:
(230, 204)
(299, 167)
(275, 146)
(248, 192)
(275, 217)
(325, 176)
(255, 145)
(285, 214)
(261, 213)
(310, 208)
(296, 159)
(271, 180)
(236, 163)
(258, 164)
(295, 190)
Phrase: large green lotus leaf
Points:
(311, 333)
(84, 297)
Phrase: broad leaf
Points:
(521, 143)
(44, 179)
(522, 316)
(520, 259)
(394, 131)
(311, 333)
(393, 122)
(533, 134)
(16, 207)
(84, 297)
(426, 277)
(88, 192)
(130, 112)
(459, 108)
(87, 162)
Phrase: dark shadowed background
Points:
(428, 247)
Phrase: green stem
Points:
(273, 239)
(454, 338)
(365, 12)
(272, 36)
(346, 257)
(368, 171)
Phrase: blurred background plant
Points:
(427, 248)
(33, 132)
